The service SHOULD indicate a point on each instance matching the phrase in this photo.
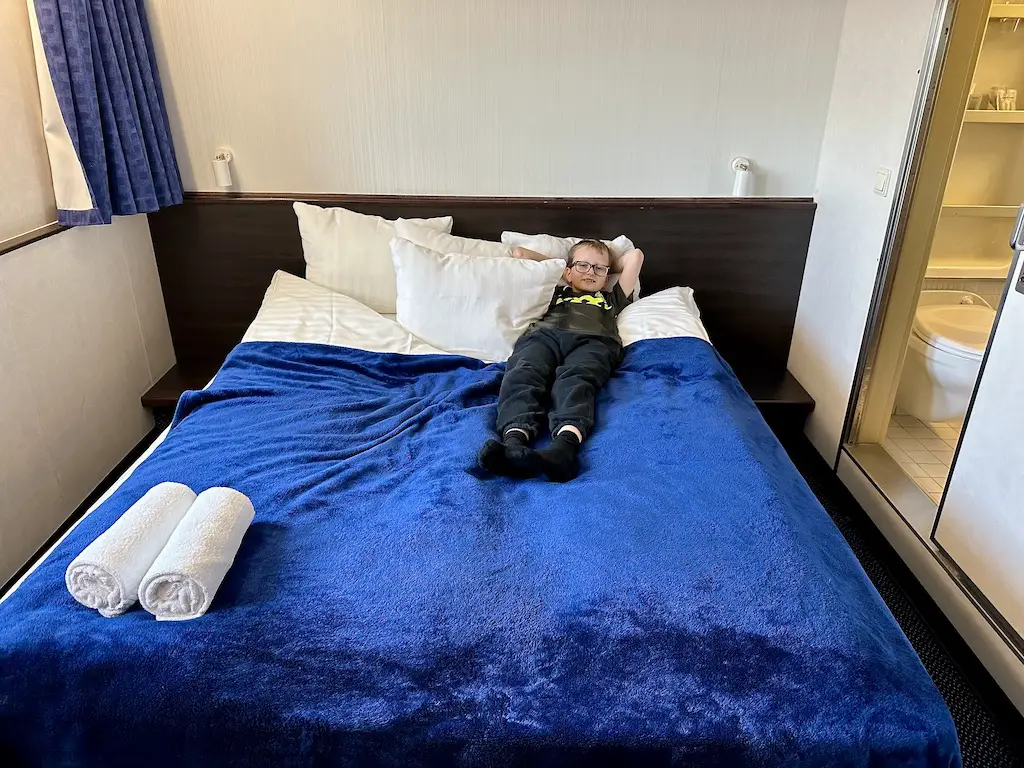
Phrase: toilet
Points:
(951, 330)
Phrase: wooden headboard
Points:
(744, 258)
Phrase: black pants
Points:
(571, 366)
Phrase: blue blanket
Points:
(685, 601)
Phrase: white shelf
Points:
(993, 116)
(981, 211)
(968, 271)
(1006, 11)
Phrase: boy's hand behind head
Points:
(588, 266)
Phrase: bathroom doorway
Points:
(948, 261)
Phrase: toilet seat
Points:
(961, 330)
(951, 330)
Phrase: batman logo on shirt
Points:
(593, 299)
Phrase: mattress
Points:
(686, 600)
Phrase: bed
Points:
(686, 601)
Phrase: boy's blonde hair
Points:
(599, 245)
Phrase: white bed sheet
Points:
(296, 310)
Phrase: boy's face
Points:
(588, 281)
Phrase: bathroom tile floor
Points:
(923, 450)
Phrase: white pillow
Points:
(348, 252)
(556, 247)
(471, 305)
(664, 315)
(442, 242)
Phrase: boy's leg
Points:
(521, 401)
(577, 381)
(524, 387)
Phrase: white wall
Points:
(83, 334)
(26, 195)
(881, 51)
(83, 331)
(534, 97)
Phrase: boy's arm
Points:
(628, 266)
(525, 253)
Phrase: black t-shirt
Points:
(592, 313)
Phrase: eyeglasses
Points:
(583, 267)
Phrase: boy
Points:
(569, 353)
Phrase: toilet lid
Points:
(961, 329)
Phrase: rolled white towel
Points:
(107, 574)
(185, 577)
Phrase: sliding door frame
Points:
(957, 34)
(958, 30)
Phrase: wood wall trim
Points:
(333, 200)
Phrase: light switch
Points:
(882, 181)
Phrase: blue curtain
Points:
(100, 57)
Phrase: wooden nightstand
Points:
(163, 396)
(784, 404)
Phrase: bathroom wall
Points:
(990, 290)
